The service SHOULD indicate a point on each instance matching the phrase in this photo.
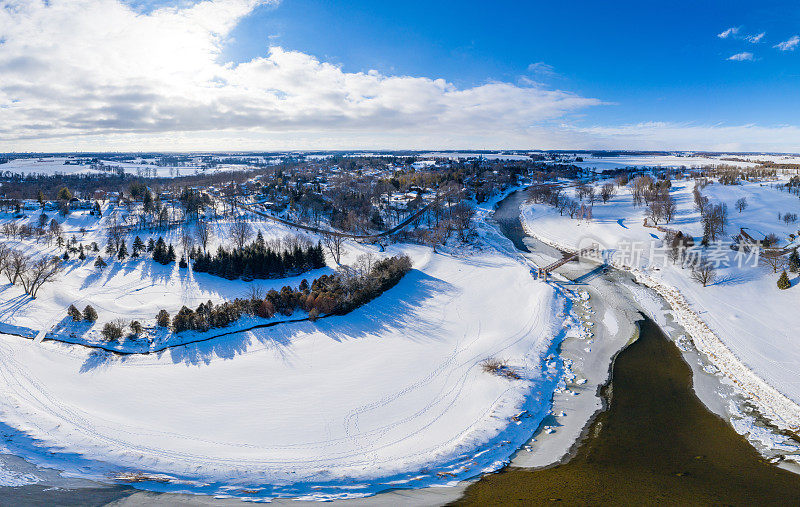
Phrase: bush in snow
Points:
(136, 327)
(500, 368)
(74, 313)
(89, 314)
(113, 330)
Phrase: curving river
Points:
(655, 443)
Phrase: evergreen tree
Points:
(96, 209)
(99, 263)
(160, 251)
(110, 250)
(89, 313)
(65, 256)
(150, 245)
(123, 250)
(81, 255)
(794, 261)
(74, 313)
(138, 244)
(182, 264)
(170, 254)
(783, 281)
(162, 319)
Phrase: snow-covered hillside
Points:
(390, 395)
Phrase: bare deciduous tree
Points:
(773, 259)
(334, 244)
(741, 204)
(41, 272)
(607, 192)
(240, 233)
(204, 233)
(187, 241)
(704, 272)
(15, 266)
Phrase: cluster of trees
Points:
(162, 252)
(788, 217)
(661, 206)
(89, 314)
(339, 293)
(31, 273)
(258, 260)
(552, 195)
(47, 229)
(714, 217)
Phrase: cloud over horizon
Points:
(99, 68)
(108, 75)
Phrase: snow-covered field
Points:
(56, 165)
(601, 164)
(742, 307)
(390, 395)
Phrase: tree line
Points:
(339, 293)
(258, 261)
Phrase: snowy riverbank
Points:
(780, 409)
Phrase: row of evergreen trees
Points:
(162, 252)
(257, 260)
(328, 294)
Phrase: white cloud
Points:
(755, 39)
(729, 32)
(788, 45)
(745, 56)
(90, 74)
(541, 68)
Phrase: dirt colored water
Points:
(655, 444)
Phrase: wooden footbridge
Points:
(543, 272)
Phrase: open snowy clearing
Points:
(601, 164)
(392, 393)
(743, 307)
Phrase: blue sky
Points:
(250, 74)
(659, 60)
